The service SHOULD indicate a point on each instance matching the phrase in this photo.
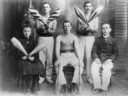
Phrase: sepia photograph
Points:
(64, 47)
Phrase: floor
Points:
(119, 87)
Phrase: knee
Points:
(81, 70)
(58, 68)
(76, 67)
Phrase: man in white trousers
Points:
(67, 52)
(45, 33)
(86, 35)
(104, 52)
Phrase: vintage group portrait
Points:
(63, 47)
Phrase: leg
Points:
(35, 79)
(81, 46)
(27, 81)
(61, 80)
(95, 75)
(42, 56)
(42, 53)
(49, 62)
(88, 48)
(75, 78)
(80, 84)
(61, 77)
(106, 76)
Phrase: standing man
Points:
(86, 37)
(45, 33)
(67, 52)
(104, 52)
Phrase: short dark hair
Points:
(43, 3)
(67, 21)
(106, 23)
(86, 3)
(27, 26)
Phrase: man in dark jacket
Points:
(104, 52)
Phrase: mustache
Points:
(88, 9)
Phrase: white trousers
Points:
(106, 75)
(85, 46)
(46, 54)
(68, 58)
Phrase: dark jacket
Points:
(105, 49)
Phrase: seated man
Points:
(104, 52)
(67, 52)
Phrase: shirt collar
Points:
(106, 36)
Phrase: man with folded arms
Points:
(46, 32)
(86, 35)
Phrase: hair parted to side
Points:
(67, 21)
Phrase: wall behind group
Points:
(14, 11)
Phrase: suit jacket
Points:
(105, 48)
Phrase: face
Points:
(88, 7)
(27, 32)
(106, 29)
(67, 27)
(46, 8)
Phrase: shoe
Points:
(78, 89)
(27, 92)
(34, 92)
(96, 91)
(89, 80)
(104, 92)
(64, 87)
(49, 80)
(41, 80)
(73, 88)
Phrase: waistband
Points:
(45, 34)
(67, 51)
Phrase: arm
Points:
(84, 29)
(77, 52)
(58, 40)
(52, 27)
(115, 51)
(38, 24)
(81, 25)
(20, 54)
(76, 45)
(35, 56)
(94, 52)
(93, 25)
